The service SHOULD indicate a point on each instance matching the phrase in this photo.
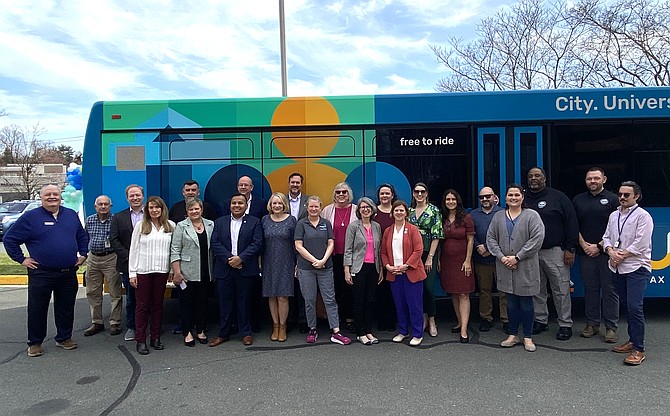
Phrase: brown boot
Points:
(281, 337)
(275, 332)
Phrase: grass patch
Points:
(10, 267)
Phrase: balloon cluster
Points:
(72, 195)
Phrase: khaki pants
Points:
(486, 274)
(99, 269)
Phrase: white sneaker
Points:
(415, 341)
(399, 338)
(130, 335)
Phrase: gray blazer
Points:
(355, 245)
(186, 249)
(525, 243)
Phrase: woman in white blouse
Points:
(148, 268)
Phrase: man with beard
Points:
(557, 254)
(593, 209)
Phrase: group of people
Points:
(369, 261)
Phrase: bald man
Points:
(256, 206)
(101, 267)
(485, 268)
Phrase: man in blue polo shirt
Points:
(57, 244)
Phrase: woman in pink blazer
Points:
(402, 247)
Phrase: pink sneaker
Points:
(338, 338)
(312, 336)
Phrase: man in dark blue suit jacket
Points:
(256, 206)
(236, 243)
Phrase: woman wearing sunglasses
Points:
(427, 218)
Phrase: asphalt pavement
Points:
(106, 376)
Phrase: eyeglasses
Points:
(624, 194)
(420, 191)
(341, 192)
(366, 208)
(487, 196)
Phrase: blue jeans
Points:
(520, 311)
(130, 301)
(631, 287)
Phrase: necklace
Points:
(198, 227)
(341, 219)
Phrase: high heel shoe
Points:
(456, 330)
(281, 335)
(203, 340)
(465, 340)
(275, 332)
(190, 343)
(432, 330)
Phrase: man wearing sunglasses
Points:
(557, 254)
(627, 242)
(485, 267)
(593, 209)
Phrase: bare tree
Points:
(629, 41)
(21, 152)
(535, 44)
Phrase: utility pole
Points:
(282, 48)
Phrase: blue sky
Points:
(59, 57)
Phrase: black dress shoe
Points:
(190, 343)
(203, 340)
(465, 340)
(539, 327)
(142, 348)
(485, 326)
(564, 333)
(156, 344)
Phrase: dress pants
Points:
(193, 307)
(364, 287)
(235, 293)
(131, 303)
(150, 293)
(99, 269)
(41, 284)
(408, 298)
(428, 284)
(343, 292)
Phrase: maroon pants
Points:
(149, 303)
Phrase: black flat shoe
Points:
(465, 340)
(142, 348)
(190, 343)
(456, 330)
(203, 340)
(156, 344)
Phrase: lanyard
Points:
(620, 225)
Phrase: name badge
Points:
(49, 223)
(617, 244)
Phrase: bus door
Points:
(505, 154)
(527, 152)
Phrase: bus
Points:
(447, 140)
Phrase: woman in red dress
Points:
(455, 264)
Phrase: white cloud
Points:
(58, 57)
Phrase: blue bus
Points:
(455, 140)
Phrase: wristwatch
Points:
(600, 247)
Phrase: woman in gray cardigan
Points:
(514, 238)
(362, 263)
(191, 264)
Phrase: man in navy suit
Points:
(236, 243)
(256, 206)
(120, 234)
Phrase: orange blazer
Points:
(412, 249)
